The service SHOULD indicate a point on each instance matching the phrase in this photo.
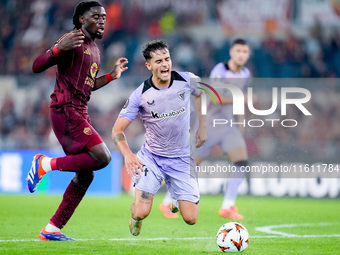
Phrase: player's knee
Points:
(190, 219)
(107, 159)
(104, 160)
(140, 216)
(101, 154)
(139, 213)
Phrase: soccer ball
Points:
(232, 237)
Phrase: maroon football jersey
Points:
(76, 73)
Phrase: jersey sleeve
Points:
(247, 81)
(47, 59)
(132, 106)
(44, 61)
(216, 71)
(194, 90)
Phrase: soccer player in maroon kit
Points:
(78, 59)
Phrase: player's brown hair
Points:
(152, 47)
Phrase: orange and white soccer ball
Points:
(232, 237)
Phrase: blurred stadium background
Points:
(297, 39)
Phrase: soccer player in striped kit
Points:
(78, 59)
(230, 139)
(163, 103)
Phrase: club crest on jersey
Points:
(181, 94)
(94, 70)
(87, 131)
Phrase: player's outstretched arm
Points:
(118, 69)
(44, 61)
(132, 162)
(69, 41)
(201, 134)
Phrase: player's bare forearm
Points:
(118, 135)
(226, 100)
(100, 82)
(118, 69)
(201, 134)
(241, 119)
(132, 163)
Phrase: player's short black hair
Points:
(152, 47)
(239, 41)
(81, 9)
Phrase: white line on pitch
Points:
(269, 229)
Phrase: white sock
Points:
(230, 193)
(167, 199)
(50, 228)
(227, 203)
(46, 164)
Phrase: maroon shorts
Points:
(73, 129)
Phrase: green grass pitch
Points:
(300, 225)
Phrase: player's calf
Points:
(142, 205)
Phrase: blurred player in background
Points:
(163, 103)
(230, 139)
(78, 59)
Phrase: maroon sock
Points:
(71, 199)
(76, 163)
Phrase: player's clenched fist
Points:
(71, 41)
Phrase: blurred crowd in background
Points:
(29, 27)
(198, 36)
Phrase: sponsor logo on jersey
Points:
(87, 52)
(152, 103)
(165, 115)
(87, 131)
(89, 81)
